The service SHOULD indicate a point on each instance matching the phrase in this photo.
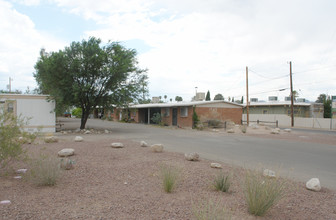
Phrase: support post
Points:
(247, 99)
(292, 95)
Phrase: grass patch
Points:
(169, 175)
(222, 182)
(262, 193)
(45, 171)
(210, 210)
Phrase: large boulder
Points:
(216, 165)
(78, 139)
(143, 144)
(66, 152)
(275, 131)
(313, 184)
(117, 145)
(269, 173)
(192, 156)
(158, 148)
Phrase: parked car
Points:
(67, 114)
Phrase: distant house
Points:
(301, 109)
(180, 113)
(36, 108)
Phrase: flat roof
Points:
(180, 104)
(23, 96)
(280, 103)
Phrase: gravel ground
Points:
(108, 183)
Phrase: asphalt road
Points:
(297, 160)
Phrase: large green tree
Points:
(218, 97)
(207, 97)
(87, 75)
(326, 100)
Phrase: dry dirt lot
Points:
(108, 183)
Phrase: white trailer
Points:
(37, 108)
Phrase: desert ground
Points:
(125, 183)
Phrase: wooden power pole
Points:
(292, 95)
(247, 98)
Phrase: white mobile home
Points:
(37, 108)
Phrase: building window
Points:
(10, 107)
(184, 111)
(166, 112)
(265, 111)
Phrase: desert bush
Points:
(44, 171)
(12, 137)
(169, 175)
(213, 123)
(262, 193)
(156, 118)
(222, 182)
(209, 210)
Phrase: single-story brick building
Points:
(180, 113)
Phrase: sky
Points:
(187, 46)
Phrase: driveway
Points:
(295, 159)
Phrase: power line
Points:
(304, 71)
(270, 78)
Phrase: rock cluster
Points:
(192, 156)
(117, 145)
(313, 184)
(66, 152)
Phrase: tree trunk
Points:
(85, 115)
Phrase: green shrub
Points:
(209, 210)
(262, 193)
(12, 137)
(195, 118)
(222, 182)
(169, 175)
(44, 171)
(156, 118)
(77, 112)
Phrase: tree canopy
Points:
(326, 100)
(87, 75)
(218, 97)
(178, 99)
(207, 98)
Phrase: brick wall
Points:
(223, 114)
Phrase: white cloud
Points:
(20, 44)
(208, 43)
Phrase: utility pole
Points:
(247, 99)
(292, 96)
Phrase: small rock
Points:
(230, 131)
(5, 202)
(66, 152)
(192, 156)
(106, 131)
(117, 145)
(143, 144)
(78, 130)
(64, 132)
(125, 183)
(21, 171)
(51, 139)
(313, 184)
(215, 130)
(269, 173)
(216, 165)
(275, 131)
(287, 130)
(78, 139)
(87, 132)
(17, 177)
(158, 148)
(254, 126)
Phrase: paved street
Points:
(298, 160)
